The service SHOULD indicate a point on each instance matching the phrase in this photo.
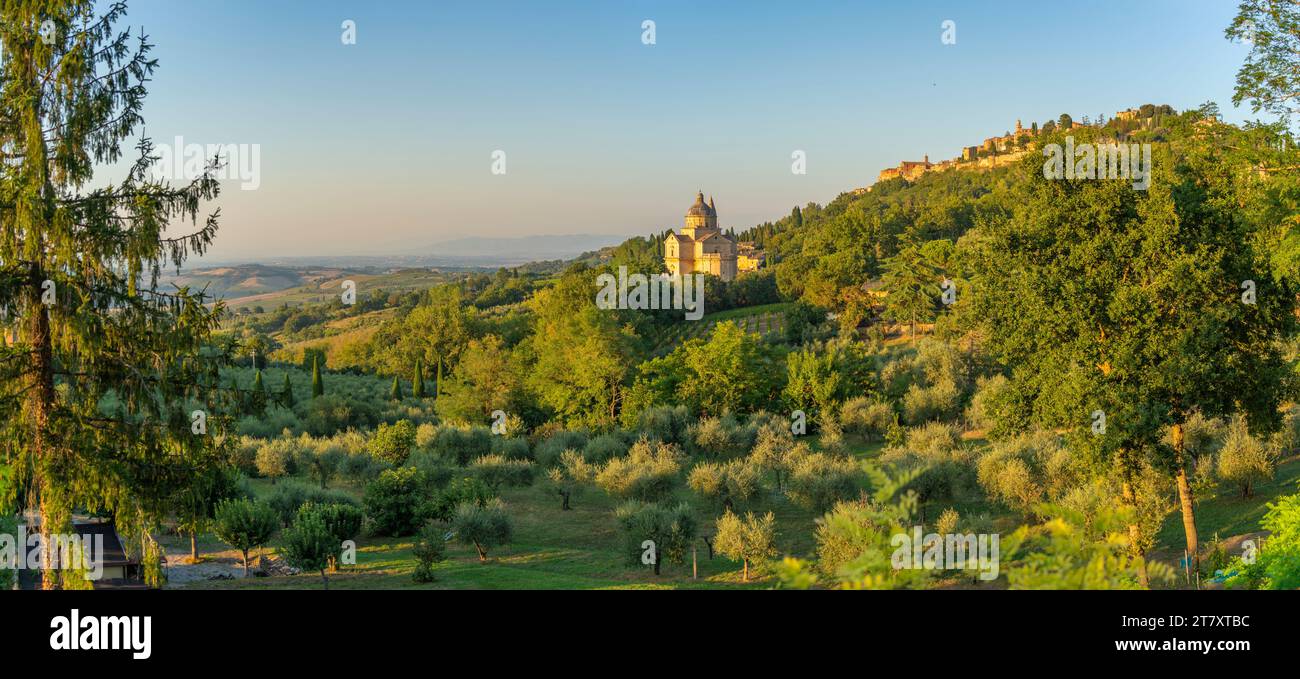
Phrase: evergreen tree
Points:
(79, 270)
(396, 392)
(912, 287)
(417, 385)
(317, 386)
(286, 392)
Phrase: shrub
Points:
(275, 458)
(856, 531)
(818, 481)
(308, 544)
(290, 496)
(570, 476)
(1245, 460)
(940, 401)
(430, 545)
(393, 443)
(647, 473)
(725, 483)
(497, 470)
(342, 520)
(322, 463)
(461, 490)
(515, 448)
(776, 451)
(670, 424)
(669, 529)
(462, 444)
(360, 467)
(245, 525)
(1028, 469)
(604, 448)
(867, 418)
(392, 501)
(750, 540)
(435, 471)
(548, 451)
(485, 526)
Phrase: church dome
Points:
(700, 208)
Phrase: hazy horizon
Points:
(605, 135)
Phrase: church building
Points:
(701, 247)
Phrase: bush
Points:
(360, 467)
(343, 520)
(1245, 460)
(1028, 469)
(515, 448)
(484, 527)
(941, 401)
(322, 462)
(275, 458)
(603, 448)
(430, 545)
(725, 483)
(462, 444)
(393, 500)
(570, 476)
(818, 481)
(750, 540)
(308, 544)
(496, 471)
(867, 418)
(670, 529)
(670, 424)
(393, 443)
(290, 496)
(648, 473)
(461, 490)
(245, 525)
(548, 451)
(435, 471)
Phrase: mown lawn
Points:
(552, 549)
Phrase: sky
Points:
(386, 146)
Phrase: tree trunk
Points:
(194, 547)
(482, 553)
(324, 580)
(744, 572)
(564, 506)
(1134, 535)
(1185, 499)
(41, 404)
(245, 563)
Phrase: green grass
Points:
(1226, 514)
(552, 549)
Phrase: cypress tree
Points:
(317, 386)
(417, 387)
(286, 393)
(396, 392)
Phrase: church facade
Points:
(702, 247)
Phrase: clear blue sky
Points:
(385, 146)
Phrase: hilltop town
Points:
(1011, 146)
